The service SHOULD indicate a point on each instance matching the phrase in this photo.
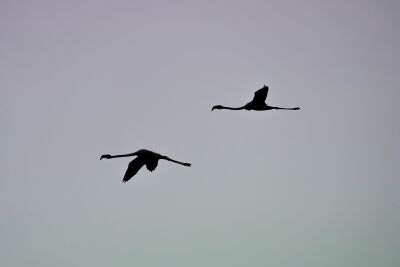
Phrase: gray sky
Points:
(315, 187)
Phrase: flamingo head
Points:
(216, 107)
(106, 156)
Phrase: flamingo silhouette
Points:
(258, 102)
(144, 157)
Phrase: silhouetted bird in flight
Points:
(258, 102)
(144, 157)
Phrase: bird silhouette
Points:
(144, 157)
(258, 102)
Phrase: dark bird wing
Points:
(260, 95)
(152, 164)
(133, 168)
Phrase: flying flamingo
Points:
(144, 157)
(258, 102)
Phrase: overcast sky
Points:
(314, 187)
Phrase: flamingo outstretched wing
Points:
(133, 167)
(260, 95)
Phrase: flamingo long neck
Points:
(230, 108)
(123, 155)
